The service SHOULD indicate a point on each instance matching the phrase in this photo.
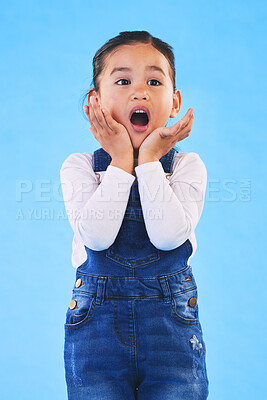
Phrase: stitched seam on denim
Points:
(127, 263)
(167, 288)
(133, 263)
(79, 315)
(133, 350)
(101, 288)
(166, 293)
(136, 297)
(68, 326)
(83, 292)
(137, 278)
(190, 322)
(116, 322)
(132, 297)
(186, 290)
(133, 322)
(117, 307)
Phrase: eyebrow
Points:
(149, 67)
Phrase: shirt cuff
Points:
(147, 168)
(120, 174)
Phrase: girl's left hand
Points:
(162, 140)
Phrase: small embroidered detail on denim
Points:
(187, 279)
(196, 345)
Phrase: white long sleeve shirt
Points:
(96, 201)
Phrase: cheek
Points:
(163, 116)
(109, 99)
(166, 110)
(114, 97)
(116, 107)
(113, 101)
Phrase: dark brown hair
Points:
(129, 38)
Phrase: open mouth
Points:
(139, 120)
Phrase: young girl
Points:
(132, 327)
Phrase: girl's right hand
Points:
(112, 136)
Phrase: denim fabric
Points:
(135, 332)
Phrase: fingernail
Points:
(91, 99)
(84, 108)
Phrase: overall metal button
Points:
(73, 304)
(192, 302)
(78, 282)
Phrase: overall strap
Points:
(101, 160)
(168, 159)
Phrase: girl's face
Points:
(138, 75)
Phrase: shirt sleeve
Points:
(172, 207)
(95, 210)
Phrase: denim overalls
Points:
(132, 328)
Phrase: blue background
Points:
(46, 68)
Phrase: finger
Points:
(166, 132)
(177, 129)
(98, 114)
(185, 120)
(188, 126)
(182, 124)
(91, 118)
(111, 123)
(182, 134)
(93, 132)
(85, 109)
(87, 112)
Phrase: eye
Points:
(124, 80)
(154, 80)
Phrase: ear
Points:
(176, 105)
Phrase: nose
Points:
(140, 92)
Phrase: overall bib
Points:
(132, 328)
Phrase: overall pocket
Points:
(185, 307)
(132, 247)
(80, 310)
